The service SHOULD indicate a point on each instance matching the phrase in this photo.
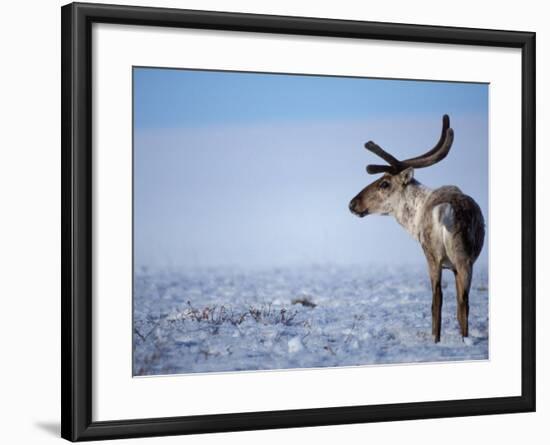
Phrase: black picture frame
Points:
(76, 247)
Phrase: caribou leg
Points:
(463, 278)
(437, 299)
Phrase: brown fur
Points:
(469, 228)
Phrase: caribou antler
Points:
(436, 154)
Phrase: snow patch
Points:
(295, 345)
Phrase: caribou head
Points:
(384, 195)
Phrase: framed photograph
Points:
(274, 222)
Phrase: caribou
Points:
(447, 223)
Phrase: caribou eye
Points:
(384, 185)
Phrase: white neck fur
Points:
(409, 207)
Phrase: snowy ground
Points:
(230, 320)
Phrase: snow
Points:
(295, 345)
(224, 319)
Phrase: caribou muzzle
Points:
(354, 208)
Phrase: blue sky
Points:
(248, 169)
(174, 98)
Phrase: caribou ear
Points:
(406, 175)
